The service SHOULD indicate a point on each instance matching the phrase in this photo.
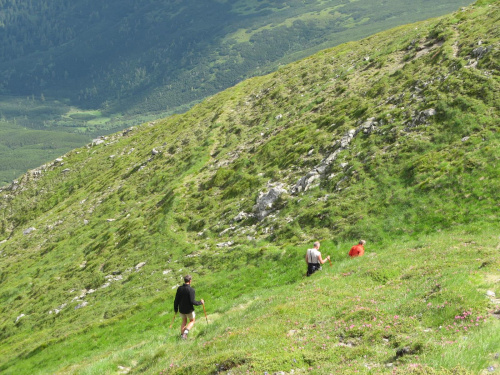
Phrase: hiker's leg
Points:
(184, 321)
(190, 324)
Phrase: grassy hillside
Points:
(93, 67)
(393, 139)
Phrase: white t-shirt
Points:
(313, 255)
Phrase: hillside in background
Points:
(93, 67)
(393, 139)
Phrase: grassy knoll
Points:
(393, 139)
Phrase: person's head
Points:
(316, 245)
(187, 279)
(362, 242)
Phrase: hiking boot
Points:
(185, 334)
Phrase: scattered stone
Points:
(113, 277)
(97, 141)
(3, 241)
(480, 52)
(110, 220)
(226, 230)
(464, 139)
(123, 370)
(65, 170)
(490, 293)
(420, 118)
(491, 369)
(307, 182)
(139, 266)
(225, 244)
(279, 117)
(19, 317)
(167, 272)
(265, 201)
(155, 151)
(83, 304)
(84, 264)
(241, 216)
(369, 126)
(29, 230)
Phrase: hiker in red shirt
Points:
(357, 250)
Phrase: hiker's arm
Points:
(323, 261)
(193, 300)
(306, 260)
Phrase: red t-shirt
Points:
(357, 251)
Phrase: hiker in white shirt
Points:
(314, 260)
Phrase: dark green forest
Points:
(155, 55)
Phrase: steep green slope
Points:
(393, 139)
(122, 63)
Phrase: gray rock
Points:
(240, 217)
(420, 118)
(480, 52)
(140, 265)
(19, 317)
(369, 126)
(226, 230)
(29, 230)
(225, 244)
(305, 182)
(83, 304)
(265, 201)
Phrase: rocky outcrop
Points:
(265, 201)
(311, 179)
(420, 118)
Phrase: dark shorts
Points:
(312, 267)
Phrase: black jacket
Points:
(184, 299)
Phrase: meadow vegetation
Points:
(93, 247)
(126, 62)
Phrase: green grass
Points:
(340, 319)
(421, 191)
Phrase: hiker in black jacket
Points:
(184, 303)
